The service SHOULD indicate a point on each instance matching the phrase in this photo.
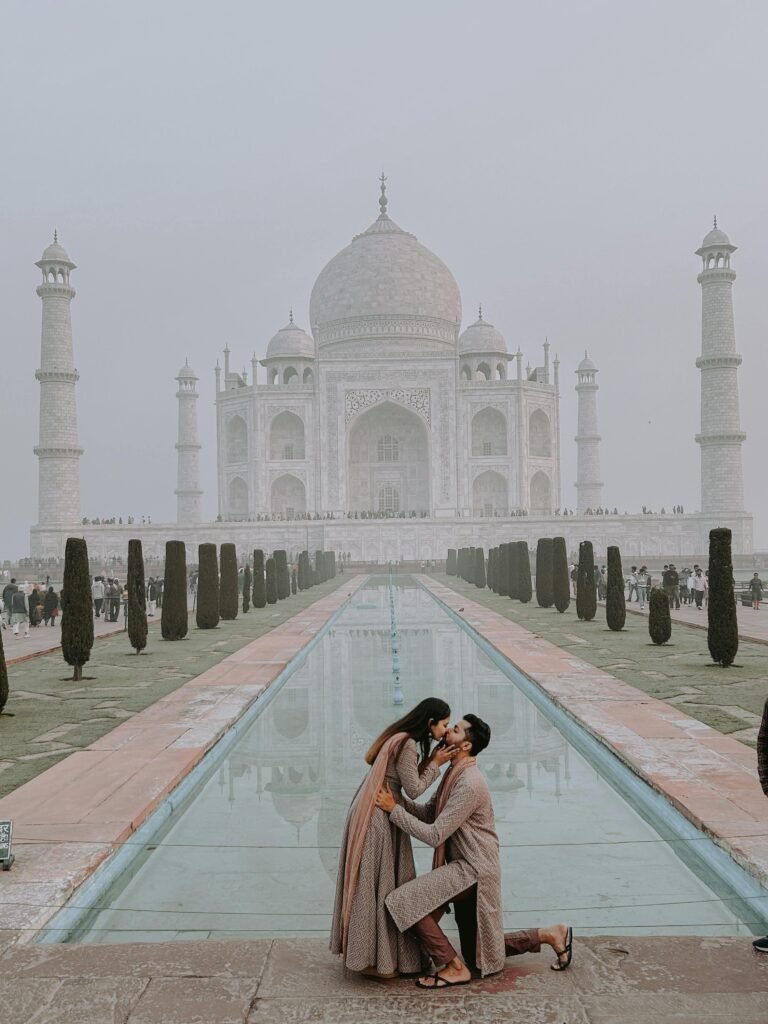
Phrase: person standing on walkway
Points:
(151, 596)
(50, 607)
(643, 580)
(97, 593)
(633, 585)
(376, 857)
(8, 591)
(761, 945)
(19, 612)
(756, 589)
(700, 588)
(458, 823)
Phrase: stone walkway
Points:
(44, 639)
(681, 673)
(611, 981)
(54, 717)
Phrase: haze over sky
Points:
(203, 161)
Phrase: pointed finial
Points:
(383, 199)
(186, 362)
(715, 220)
(227, 349)
(586, 354)
(290, 315)
(55, 236)
(546, 341)
(480, 312)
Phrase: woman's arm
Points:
(407, 768)
(462, 802)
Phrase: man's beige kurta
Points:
(467, 827)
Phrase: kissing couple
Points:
(386, 920)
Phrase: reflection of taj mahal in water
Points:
(388, 432)
(306, 753)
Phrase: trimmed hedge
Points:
(502, 570)
(450, 562)
(544, 573)
(247, 583)
(137, 596)
(229, 590)
(513, 570)
(722, 624)
(615, 608)
(271, 581)
(479, 573)
(259, 585)
(174, 620)
(586, 595)
(207, 616)
(283, 575)
(77, 607)
(659, 619)
(524, 585)
(489, 573)
(294, 585)
(561, 579)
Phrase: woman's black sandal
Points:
(567, 952)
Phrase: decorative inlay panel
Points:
(417, 399)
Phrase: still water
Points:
(254, 852)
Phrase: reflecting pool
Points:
(254, 852)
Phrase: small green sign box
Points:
(6, 834)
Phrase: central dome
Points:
(385, 284)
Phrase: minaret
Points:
(721, 437)
(589, 486)
(58, 451)
(188, 491)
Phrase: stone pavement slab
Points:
(70, 818)
(612, 981)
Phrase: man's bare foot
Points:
(454, 973)
(556, 936)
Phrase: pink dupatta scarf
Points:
(361, 813)
(447, 783)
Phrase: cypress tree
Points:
(319, 567)
(489, 574)
(271, 582)
(259, 585)
(561, 580)
(545, 595)
(513, 570)
(137, 604)
(524, 587)
(479, 573)
(229, 590)
(207, 616)
(283, 575)
(586, 596)
(460, 563)
(722, 624)
(615, 609)
(294, 585)
(450, 565)
(332, 560)
(247, 584)
(502, 570)
(77, 613)
(659, 619)
(4, 689)
(471, 565)
(174, 621)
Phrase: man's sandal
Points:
(561, 965)
(441, 982)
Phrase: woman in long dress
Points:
(376, 857)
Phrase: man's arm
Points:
(424, 812)
(461, 804)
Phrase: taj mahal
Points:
(388, 431)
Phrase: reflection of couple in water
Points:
(386, 919)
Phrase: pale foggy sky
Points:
(203, 161)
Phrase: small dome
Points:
(187, 373)
(586, 364)
(482, 337)
(56, 253)
(716, 237)
(291, 341)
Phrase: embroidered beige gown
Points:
(387, 862)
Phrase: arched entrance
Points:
(388, 447)
(288, 497)
(541, 495)
(489, 494)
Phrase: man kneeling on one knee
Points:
(458, 822)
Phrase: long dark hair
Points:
(416, 723)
